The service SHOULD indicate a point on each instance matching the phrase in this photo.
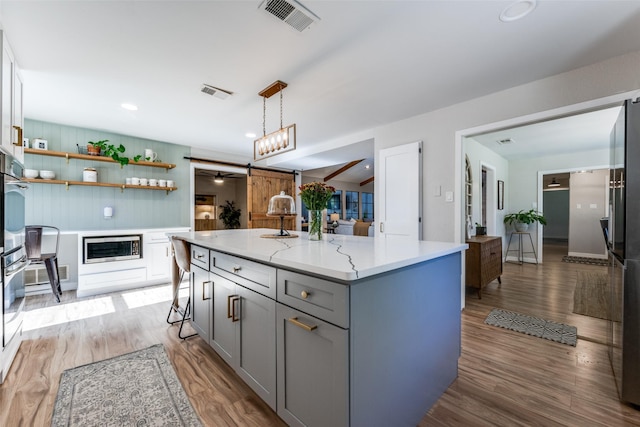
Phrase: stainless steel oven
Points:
(13, 259)
(111, 248)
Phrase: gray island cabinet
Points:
(348, 331)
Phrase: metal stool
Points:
(183, 260)
(520, 250)
(33, 246)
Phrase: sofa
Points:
(354, 227)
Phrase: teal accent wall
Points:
(81, 207)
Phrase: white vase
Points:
(522, 227)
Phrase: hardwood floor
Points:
(505, 378)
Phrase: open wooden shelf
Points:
(95, 158)
(96, 184)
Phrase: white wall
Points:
(556, 211)
(588, 203)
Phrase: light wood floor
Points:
(505, 378)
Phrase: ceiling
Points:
(362, 65)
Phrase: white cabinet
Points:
(243, 334)
(157, 251)
(11, 102)
(201, 294)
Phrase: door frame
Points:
(492, 197)
(554, 113)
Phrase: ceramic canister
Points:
(90, 175)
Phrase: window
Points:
(367, 206)
(304, 212)
(351, 205)
(334, 204)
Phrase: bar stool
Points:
(520, 249)
(183, 260)
(33, 246)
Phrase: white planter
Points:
(520, 226)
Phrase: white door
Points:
(400, 191)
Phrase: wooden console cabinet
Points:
(483, 261)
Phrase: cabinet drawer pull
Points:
(204, 297)
(305, 294)
(236, 268)
(298, 323)
(233, 308)
(229, 302)
(19, 142)
(198, 255)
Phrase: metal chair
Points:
(183, 260)
(33, 246)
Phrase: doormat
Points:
(135, 389)
(534, 326)
(585, 260)
(590, 297)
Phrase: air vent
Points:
(291, 12)
(215, 91)
(505, 141)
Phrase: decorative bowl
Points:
(30, 173)
(47, 174)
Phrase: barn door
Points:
(261, 186)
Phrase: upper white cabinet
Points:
(11, 103)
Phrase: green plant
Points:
(230, 215)
(525, 217)
(114, 152)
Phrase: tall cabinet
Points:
(11, 102)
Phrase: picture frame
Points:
(500, 195)
(39, 144)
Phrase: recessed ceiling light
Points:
(129, 107)
(518, 10)
(367, 166)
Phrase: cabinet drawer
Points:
(255, 276)
(321, 298)
(200, 257)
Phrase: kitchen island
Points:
(349, 330)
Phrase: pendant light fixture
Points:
(553, 183)
(280, 141)
(218, 179)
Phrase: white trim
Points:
(492, 199)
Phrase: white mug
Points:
(162, 182)
(135, 181)
(143, 181)
(170, 183)
(153, 182)
(127, 181)
(150, 155)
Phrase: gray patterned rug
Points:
(135, 389)
(534, 326)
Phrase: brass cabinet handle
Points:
(236, 268)
(197, 255)
(229, 302)
(233, 308)
(19, 143)
(305, 294)
(299, 324)
(204, 297)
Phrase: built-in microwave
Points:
(111, 248)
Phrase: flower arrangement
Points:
(315, 195)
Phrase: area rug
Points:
(590, 297)
(585, 260)
(534, 326)
(135, 389)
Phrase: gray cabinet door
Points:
(226, 311)
(312, 372)
(201, 302)
(256, 345)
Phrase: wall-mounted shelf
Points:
(68, 156)
(122, 187)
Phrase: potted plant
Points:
(522, 219)
(480, 230)
(109, 150)
(230, 215)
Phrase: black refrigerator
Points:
(624, 252)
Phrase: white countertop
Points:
(336, 256)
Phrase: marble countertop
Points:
(337, 256)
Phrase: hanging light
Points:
(280, 141)
(218, 179)
(553, 183)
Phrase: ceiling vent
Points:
(291, 12)
(215, 91)
(505, 141)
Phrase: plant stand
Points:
(520, 250)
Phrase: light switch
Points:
(578, 206)
(593, 206)
(437, 190)
(448, 196)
